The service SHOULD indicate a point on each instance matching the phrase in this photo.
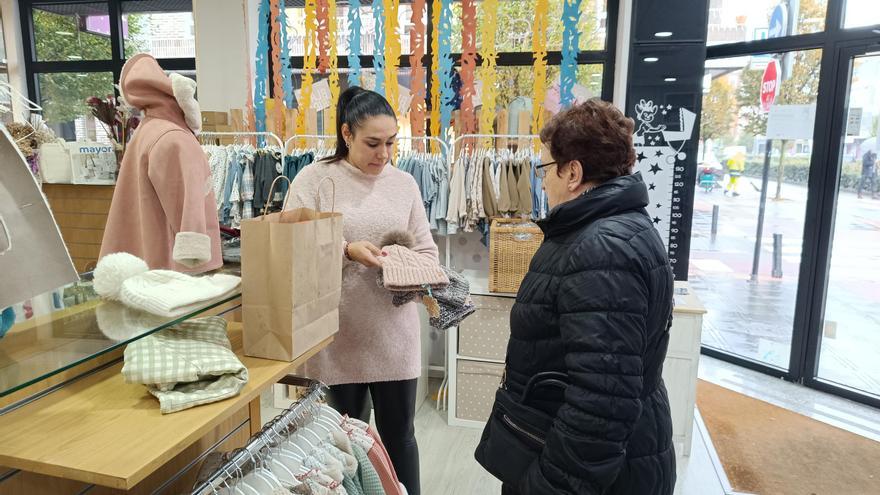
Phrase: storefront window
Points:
(516, 17)
(72, 31)
(751, 316)
(162, 29)
(63, 98)
(733, 21)
(860, 13)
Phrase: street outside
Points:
(755, 320)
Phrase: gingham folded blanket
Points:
(187, 365)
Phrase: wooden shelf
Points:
(101, 430)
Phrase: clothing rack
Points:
(428, 139)
(287, 421)
(270, 135)
(459, 143)
(321, 138)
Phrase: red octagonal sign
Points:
(769, 85)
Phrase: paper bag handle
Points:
(289, 186)
(318, 193)
(272, 193)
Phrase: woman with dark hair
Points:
(377, 349)
(583, 408)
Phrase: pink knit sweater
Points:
(376, 341)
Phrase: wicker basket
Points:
(512, 243)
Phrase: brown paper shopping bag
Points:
(291, 268)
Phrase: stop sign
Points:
(769, 85)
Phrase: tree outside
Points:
(719, 112)
(63, 94)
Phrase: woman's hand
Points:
(365, 253)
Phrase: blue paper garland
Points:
(261, 69)
(447, 94)
(286, 68)
(571, 11)
(379, 47)
(354, 43)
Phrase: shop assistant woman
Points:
(377, 349)
(583, 408)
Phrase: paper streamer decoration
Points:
(417, 41)
(488, 72)
(447, 94)
(286, 68)
(354, 43)
(322, 12)
(539, 49)
(249, 105)
(379, 46)
(436, 14)
(333, 80)
(571, 12)
(468, 65)
(309, 65)
(392, 53)
(261, 69)
(277, 81)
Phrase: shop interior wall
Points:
(14, 51)
(223, 52)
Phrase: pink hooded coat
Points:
(163, 207)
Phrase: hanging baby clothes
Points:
(457, 207)
(524, 186)
(490, 201)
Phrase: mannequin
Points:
(163, 208)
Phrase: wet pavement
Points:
(755, 319)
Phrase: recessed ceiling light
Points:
(663, 34)
(82, 75)
(74, 57)
(671, 79)
(650, 59)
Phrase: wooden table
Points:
(100, 430)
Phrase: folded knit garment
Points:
(186, 365)
(453, 302)
(127, 278)
(168, 293)
(404, 270)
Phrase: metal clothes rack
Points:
(282, 425)
(458, 146)
(270, 135)
(319, 137)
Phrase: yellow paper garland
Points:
(488, 71)
(539, 47)
(309, 65)
(392, 53)
(333, 79)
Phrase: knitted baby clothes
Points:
(171, 294)
(405, 270)
(454, 301)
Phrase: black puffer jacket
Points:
(597, 305)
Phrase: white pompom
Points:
(114, 269)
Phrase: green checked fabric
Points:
(187, 365)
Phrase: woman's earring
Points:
(347, 144)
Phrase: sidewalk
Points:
(755, 320)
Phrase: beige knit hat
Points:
(405, 270)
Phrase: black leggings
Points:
(395, 405)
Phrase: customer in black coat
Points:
(596, 305)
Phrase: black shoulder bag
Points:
(516, 432)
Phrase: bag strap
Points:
(272, 193)
(544, 379)
(318, 194)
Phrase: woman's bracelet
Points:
(345, 250)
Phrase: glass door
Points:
(849, 344)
